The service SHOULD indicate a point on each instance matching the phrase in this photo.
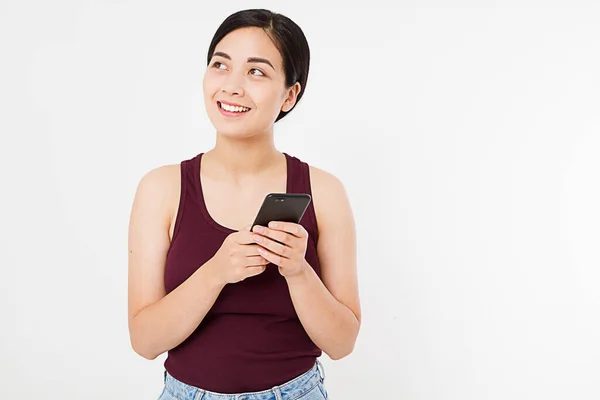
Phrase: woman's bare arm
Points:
(159, 322)
(329, 308)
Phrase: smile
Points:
(232, 111)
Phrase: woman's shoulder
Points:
(321, 177)
(329, 195)
(324, 182)
(162, 178)
(161, 186)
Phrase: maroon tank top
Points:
(251, 339)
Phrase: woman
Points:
(241, 315)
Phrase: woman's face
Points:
(246, 69)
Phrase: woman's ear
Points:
(292, 95)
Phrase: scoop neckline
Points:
(202, 202)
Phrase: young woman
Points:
(241, 315)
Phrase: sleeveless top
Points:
(251, 339)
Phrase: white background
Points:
(466, 134)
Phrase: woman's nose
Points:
(233, 85)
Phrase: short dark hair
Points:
(287, 37)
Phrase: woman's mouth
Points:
(232, 111)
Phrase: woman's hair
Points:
(287, 37)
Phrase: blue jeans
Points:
(308, 386)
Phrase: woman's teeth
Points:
(233, 108)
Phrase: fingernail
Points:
(258, 229)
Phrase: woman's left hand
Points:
(289, 253)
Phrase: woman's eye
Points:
(217, 64)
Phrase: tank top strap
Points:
(187, 173)
(299, 182)
(190, 184)
(187, 191)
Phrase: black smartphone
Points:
(287, 207)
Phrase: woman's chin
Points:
(234, 133)
(240, 131)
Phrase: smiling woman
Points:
(243, 314)
(262, 72)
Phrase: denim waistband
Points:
(288, 390)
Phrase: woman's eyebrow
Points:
(250, 59)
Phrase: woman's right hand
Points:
(238, 258)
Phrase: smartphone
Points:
(288, 207)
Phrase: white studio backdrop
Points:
(467, 134)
